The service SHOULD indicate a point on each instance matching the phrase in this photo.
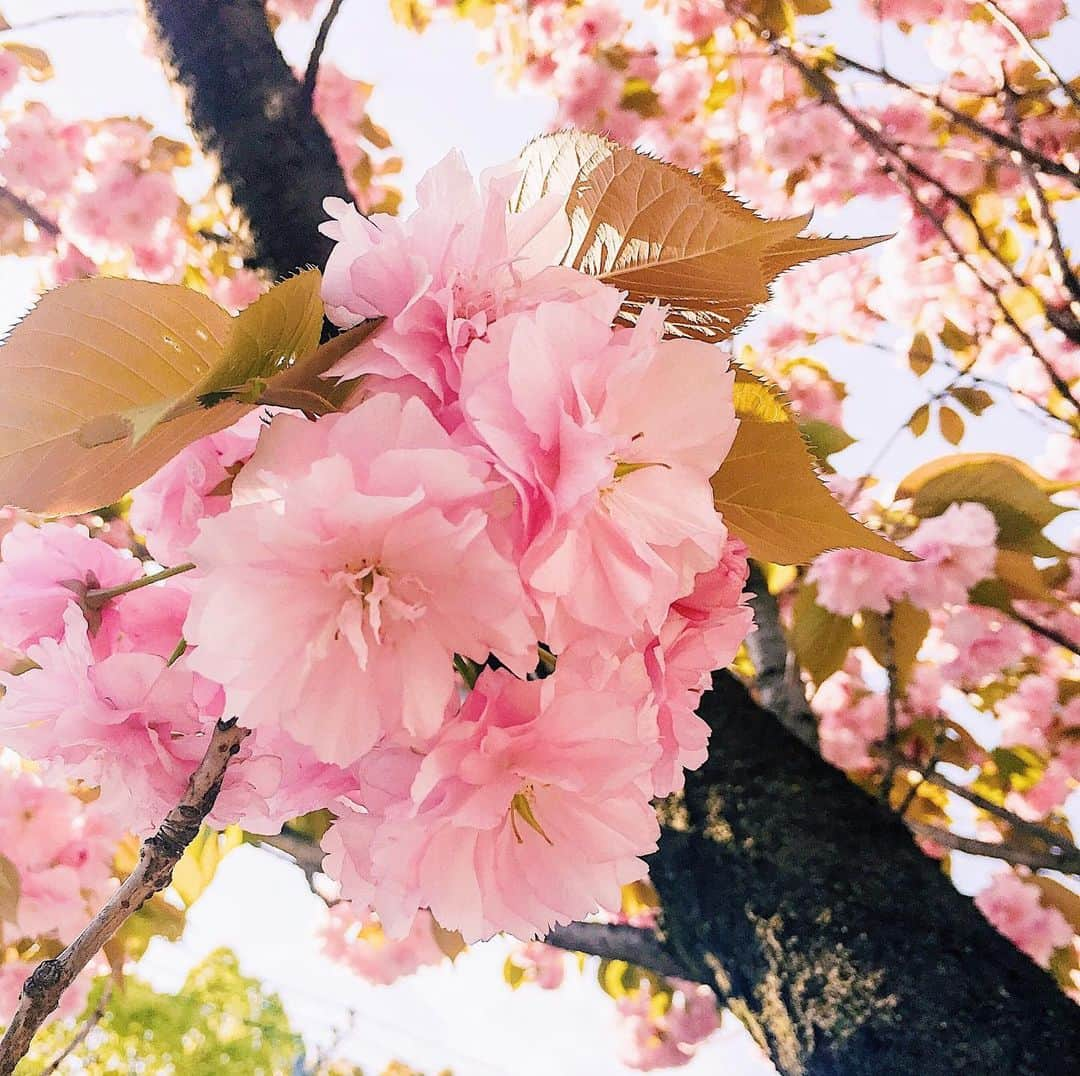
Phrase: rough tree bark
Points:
(802, 901)
(250, 113)
(845, 949)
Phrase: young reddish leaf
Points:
(769, 492)
(820, 639)
(101, 360)
(661, 233)
(83, 353)
(975, 400)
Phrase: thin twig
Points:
(901, 171)
(889, 656)
(25, 209)
(311, 75)
(1060, 269)
(158, 856)
(777, 682)
(1012, 143)
(1034, 829)
(1066, 862)
(81, 1036)
(95, 599)
(69, 16)
(1033, 52)
(1047, 633)
(618, 941)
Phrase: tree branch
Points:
(807, 906)
(249, 112)
(777, 682)
(311, 75)
(902, 169)
(158, 856)
(1007, 853)
(81, 1035)
(617, 941)
(1012, 143)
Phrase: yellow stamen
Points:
(521, 804)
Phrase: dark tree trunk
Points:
(844, 948)
(802, 901)
(249, 112)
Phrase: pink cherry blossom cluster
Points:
(654, 1036)
(1015, 907)
(517, 471)
(107, 693)
(956, 551)
(62, 851)
(475, 611)
(361, 945)
(683, 80)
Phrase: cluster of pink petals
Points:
(62, 850)
(360, 944)
(474, 613)
(541, 964)
(956, 550)
(651, 1040)
(196, 483)
(530, 808)
(526, 804)
(1015, 908)
(371, 529)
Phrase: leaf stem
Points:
(95, 599)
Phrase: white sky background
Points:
(431, 96)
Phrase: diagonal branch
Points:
(248, 111)
(617, 941)
(311, 75)
(158, 856)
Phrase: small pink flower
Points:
(45, 570)
(849, 580)
(957, 550)
(195, 484)
(1014, 907)
(361, 945)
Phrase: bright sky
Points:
(431, 96)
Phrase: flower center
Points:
(370, 604)
(521, 806)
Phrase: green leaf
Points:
(769, 492)
(824, 438)
(820, 639)
(908, 628)
(10, 888)
(1017, 495)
